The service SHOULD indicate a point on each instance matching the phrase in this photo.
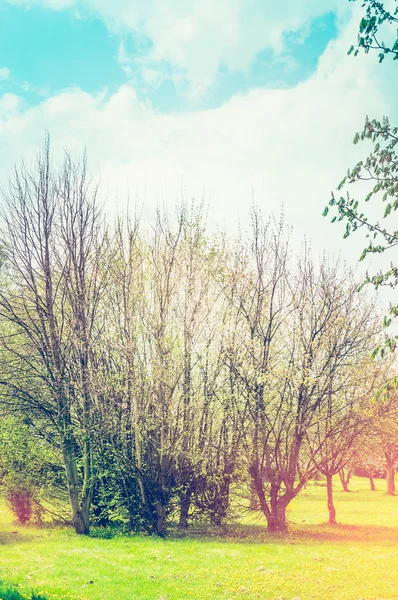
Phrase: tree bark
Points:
(185, 503)
(390, 479)
(372, 484)
(161, 518)
(277, 519)
(254, 504)
(331, 508)
(80, 514)
(345, 479)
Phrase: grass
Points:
(355, 560)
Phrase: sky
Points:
(232, 102)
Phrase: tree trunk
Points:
(275, 511)
(345, 479)
(254, 504)
(80, 514)
(88, 482)
(331, 508)
(390, 479)
(372, 484)
(161, 518)
(80, 518)
(277, 519)
(185, 503)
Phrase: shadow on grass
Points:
(247, 534)
(318, 534)
(18, 537)
(346, 533)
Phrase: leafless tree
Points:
(54, 243)
(299, 328)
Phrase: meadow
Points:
(355, 560)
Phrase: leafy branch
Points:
(369, 28)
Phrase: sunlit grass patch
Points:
(357, 559)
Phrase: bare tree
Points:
(54, 244)
(343, 420)
(296, 336)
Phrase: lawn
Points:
(355, 560)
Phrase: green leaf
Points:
(363, 24)
(387, 210)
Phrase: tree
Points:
(300, 332)
(372, 23)
(204, 445)
(55, 245)
(375, 451)
(384, 431)
(343, 420)
(166, 423)
(123, 380)
(368, 461)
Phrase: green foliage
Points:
(110, 531)
(372, 25)
(29, 469)
(8, 592)
(378, 171)
(110, 504)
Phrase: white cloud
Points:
(292, 145)
(9, 106)
(199, 37)
(4, 73)
(124, 60)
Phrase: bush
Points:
(20, 495)
(20, 502)
(29, 470)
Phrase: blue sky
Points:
(53, 50)
(47, 51)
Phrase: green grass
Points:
(355, 560)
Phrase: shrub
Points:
(20, 502)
